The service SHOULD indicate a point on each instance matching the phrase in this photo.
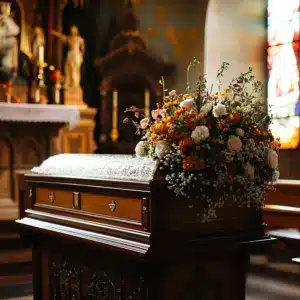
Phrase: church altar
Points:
(27, 137)
(124, 235)
(41, 113)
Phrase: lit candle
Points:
(37, 95)
(41, 53)
(147, 103)
(114, 132)
(57, 95)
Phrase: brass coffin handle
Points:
(112, 205)
(51, 197)
(76, 200)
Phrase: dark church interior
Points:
(72, 75)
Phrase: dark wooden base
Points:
(69, 270)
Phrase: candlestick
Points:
(147, 103)
(114, 132)
(37, 97)
(57, 94)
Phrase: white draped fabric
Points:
(45, 113)
(96, 166)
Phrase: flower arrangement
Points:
(212, 146)
(57, 77)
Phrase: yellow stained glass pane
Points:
(288, 130)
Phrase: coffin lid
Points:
(98, 167)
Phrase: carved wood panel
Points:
(76, 281)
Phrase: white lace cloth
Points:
(97, 166)
(13, 112)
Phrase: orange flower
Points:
(185, 144)
(256, 132)
(177, 135)
(276, 144)
(160, 128)
(235, 118)
(170, 104)
(198, 148)
(193, 163)
(179, 112)
(170, 119)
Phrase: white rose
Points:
(188, 104)
(172, 93)
(275, 176)
(272, 158)
(234, 144)
(240, 132)
(144, 123)
(219, 110)
(200, 133)
(249, 170)
(206, 108)
(141, 149)
(161, 148)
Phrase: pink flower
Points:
(144, 123)
(157, 112)
(234, 144)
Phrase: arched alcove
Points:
(175, 31)
(31, 155)
(235, 32)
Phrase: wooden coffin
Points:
(106, 227)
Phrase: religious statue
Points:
(8, 43)
(38, 44)
(74, 58)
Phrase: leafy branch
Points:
(195, 61)
(162, 82)
(224, 67)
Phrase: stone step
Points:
(15, 256)
(10, 240)
(9, 210)
(15, 261)
(21, 278)
(9, 226)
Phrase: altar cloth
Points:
(35, 113)
(99, 166)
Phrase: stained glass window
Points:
(283, 68)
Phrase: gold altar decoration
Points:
(76, 2)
